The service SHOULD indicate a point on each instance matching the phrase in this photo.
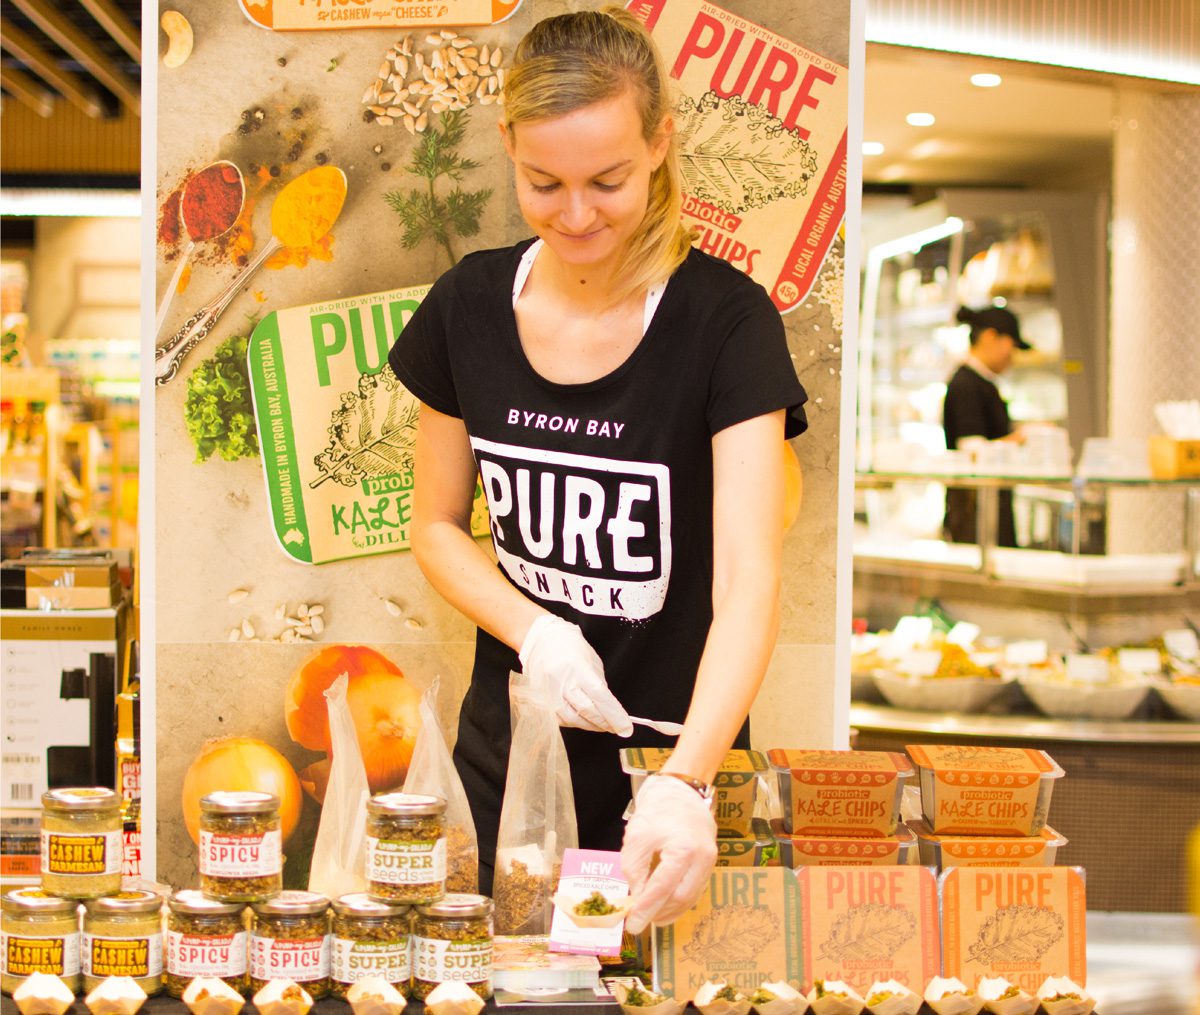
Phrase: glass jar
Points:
(39, 933)
(241, 847)
(406, 848)
(122, 936)
(369, 939)
(81, 842)
(205, 937)
(452, 941)
(289, 940)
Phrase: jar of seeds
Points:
(289, 940)
(406, 848)
(122, 936)
(39, 933)
(205, 937)
(241, 848)
(82, 852)
(452, 941)
(369, 939)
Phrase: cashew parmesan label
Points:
(137, 957)
(395, 862)
(284, 15)
(761, 125)
(95, 853)
(336, 427)
(241, 856)
(25, 955)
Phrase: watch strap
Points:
(703, 788)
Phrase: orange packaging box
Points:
(845, 793)
(976, 790)
(843, 851)
(735, 785)
(1022, 923)
(863, 924)
(943, 851)
(745, 929)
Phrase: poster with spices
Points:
(334, 175)
(863, 924)
(1022, 923)
(761, 125)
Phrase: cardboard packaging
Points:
(59, 672)
(20, 847)
(744, 929)
(942, 851)
(841, 851)
(847, 793)
(736, 784)
(976, 790)
(758, 849)
(863, 924)
(61, 580)
(1172, 459)
(1022, 923)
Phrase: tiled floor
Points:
(1144, 963)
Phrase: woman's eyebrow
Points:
(603, 172)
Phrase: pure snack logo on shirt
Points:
(580, 529)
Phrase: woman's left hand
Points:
(673, 822)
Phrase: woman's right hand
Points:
(556, 652)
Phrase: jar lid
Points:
(406, 805)
(34, 900)
(239, 802)
(80, 798)
(361, 904)
(458, 906)
(294, 903)
(126, 902)
(188, 900)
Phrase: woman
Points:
(974, 407)
(623, 398)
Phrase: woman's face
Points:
(583, 179)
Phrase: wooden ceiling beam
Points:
(21, 45)
(27, 90)
(113, 20)
(59, 27)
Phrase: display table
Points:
(1126, 806)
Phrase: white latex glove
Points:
(556, 652)
(670, 820)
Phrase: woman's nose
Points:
(578, 212)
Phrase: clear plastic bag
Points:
(431, 771)
(340, 852)
(537, 820)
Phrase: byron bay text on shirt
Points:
(588, 531)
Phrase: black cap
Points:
(1000, 318)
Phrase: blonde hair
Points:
(570, 61)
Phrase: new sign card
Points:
(590, 904)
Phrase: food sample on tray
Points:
(115, 995)
(775, 997)
(841, 851)
(950, 996)
(1060, 995)
(854, 793)
(374, 995)
(719, 998)
(453, 998)
(735, 784)
(635, 1000)
(282, 997)
(889, 997)
(43, 994)
(833, 997)
(1000, 997)
(978, 790)
(943, 851)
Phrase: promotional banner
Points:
(319, 166)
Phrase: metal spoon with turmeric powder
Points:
(303, 212)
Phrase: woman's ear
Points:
(661, 141)
(506, 137)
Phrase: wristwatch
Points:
(703, 788)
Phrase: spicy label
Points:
(406, 863)
(66, 853)
(354, 960)
(22, 956)
(194, 955)
(299, 959)
(137, 957)
(438, 961)
(241, 856)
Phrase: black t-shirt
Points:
(600, 494)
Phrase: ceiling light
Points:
(872, 148)
(986, 80)
(920, 119)
(39, 202)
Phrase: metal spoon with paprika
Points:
(210, 205)
(303, 212)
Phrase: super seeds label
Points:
(137, 957)
(438, 961)
(397, 862)
(351, 961)
(241, 856)
(337, 428)
(196, 955)
(299, 959)
(72, 853)
(25, 955)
